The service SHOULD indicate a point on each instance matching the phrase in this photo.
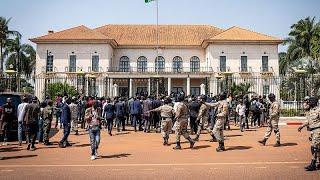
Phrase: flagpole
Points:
(157, 46)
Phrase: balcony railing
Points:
(95, 69)
(160, 70)
(45, 69)
(71, 69)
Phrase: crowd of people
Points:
(186, 115)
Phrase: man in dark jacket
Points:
(147, 106)
(108, 114)
(120, 114)
(7, 117)
(66, 121)
(156, 115)
(194, 107)
(135, 111)
(31, 119)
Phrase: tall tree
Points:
(303, 42)
(5, 34)
(21, 56)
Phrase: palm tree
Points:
(240, 89)
(304, 42)
(283, 63)
(22, 56)
(5, 33)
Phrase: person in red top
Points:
(94, 122)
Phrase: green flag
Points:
(147, 1)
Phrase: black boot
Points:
(220, 148)
(77, 133)
(277, 144)
(178, 147)
(165, 141)
(196, 138)
(213, 138)
(191, 142)
(263, 141)
(312, 166)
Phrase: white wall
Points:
(83, 52)
(234, 52)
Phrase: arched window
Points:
(124, 64)
(194, 64)
(142, 64)
(177, 64)
(159, 64)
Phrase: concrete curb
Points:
(290, 123)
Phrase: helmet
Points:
(271, 97)
(223, 96)
(313, 101)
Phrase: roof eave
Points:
(205, 43)
(112, 42)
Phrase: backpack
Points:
(254, 107)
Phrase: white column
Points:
(202, 89)
(149, 86)
(169, 86)
(188, 86)
(115, 90)
(110, 87)
(130, 87)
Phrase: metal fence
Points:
(290, 89)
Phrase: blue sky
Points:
(273, 17)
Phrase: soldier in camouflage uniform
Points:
(166, 112)
(273, 120)
(313, 125)
(47, 115)
(202, 119)
(182, 122)
(74, 115)
(222, 112)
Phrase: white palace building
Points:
(115, 60)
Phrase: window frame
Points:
(93, 67)
(142, 64)
(72, 66)
(224, 69)
(244, 66)
(124, 64)
(194, 64)
(159, 64)
(177, 64)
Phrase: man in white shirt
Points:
(241, 109)
(20, 115)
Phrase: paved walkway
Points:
(130, 155)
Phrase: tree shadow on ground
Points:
(117, 155)
(233, 135)
(18, 157)
(120, 134)
(10, 149)
(81, 145)
(200, 147)
(250, 130)
(288, 144)
(285, 144)
(232, 148)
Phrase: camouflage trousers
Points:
(218, 129)
(272, 125)
(74, 123)
(46, 129)
(181, 129)
(315, 141)
(166, 126)
(203, 123)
